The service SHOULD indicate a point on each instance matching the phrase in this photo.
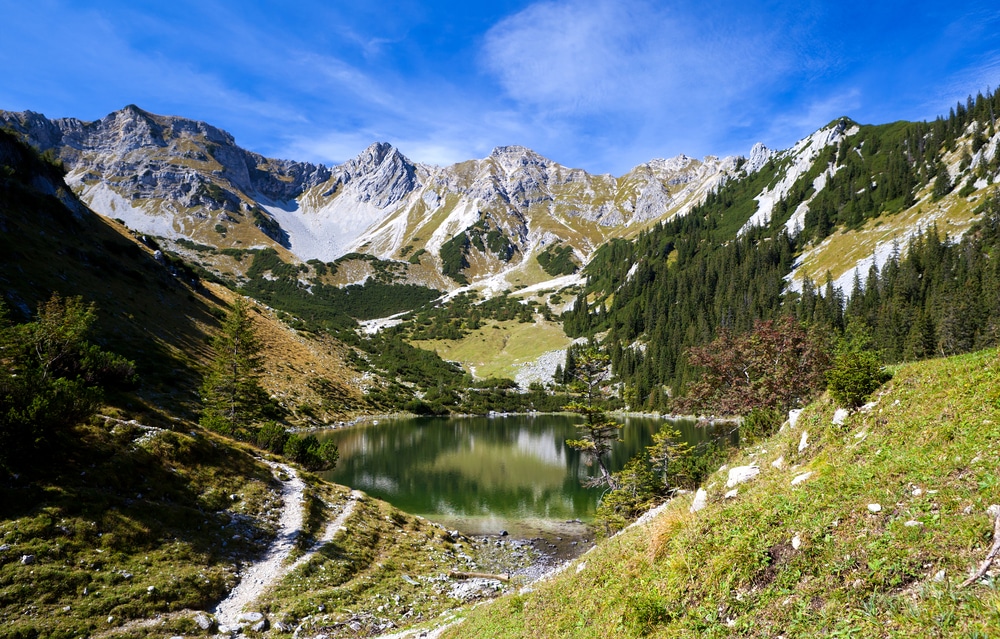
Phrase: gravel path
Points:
(259, 577)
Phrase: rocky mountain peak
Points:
(514, 157)
(380, 174)
(759, 155)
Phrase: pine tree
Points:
(231, 391)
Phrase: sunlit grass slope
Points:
(817, 557)
(499, 348)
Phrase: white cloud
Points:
(585, 56)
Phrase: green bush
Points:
(311, 453)
(854, 376)
(760, 424)
(272, 437)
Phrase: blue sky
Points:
(596, 84)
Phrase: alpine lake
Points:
(487, 475)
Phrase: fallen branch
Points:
(983, 567)
(454, 574)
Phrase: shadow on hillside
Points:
(149, 310)
(131, 490)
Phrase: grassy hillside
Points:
(814, 558)
(127, 523)
(497, 349)
(132, 530)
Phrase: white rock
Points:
(731, 494)
(804, 441)
(700, 499)
(993, 511)
(840, 416)
(251, 617)
(779, 462)
(793, 417)
(741, 474)
(875, 508)
(796, 542)
(939, 575)
(203, 621)
(913, 523)
(798, 479)
(917, 492)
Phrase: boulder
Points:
(251, 617)
(740, 474)
(700, 499)
(793, 417)
(261, 626)
(203, 621)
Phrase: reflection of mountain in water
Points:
(515, 467)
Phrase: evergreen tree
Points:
(637, 489)
(597, 433)
(231, 391)
(667, 454)
(857, 368)
(51, 377)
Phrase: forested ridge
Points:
(684, 282)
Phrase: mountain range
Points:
(484, 222)
(180, 179)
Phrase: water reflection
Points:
(500, 470)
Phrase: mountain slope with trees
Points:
(719, 269)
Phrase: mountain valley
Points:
(737, 287)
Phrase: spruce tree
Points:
(231, 391)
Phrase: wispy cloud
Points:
(597, 84)
(598, 55)
(647, 75)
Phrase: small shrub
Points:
(272, 437)
(854, 376)
(311, 453)
(760, 424)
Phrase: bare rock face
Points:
(177, 178)
(759, 155)
(380, 175)
(146, 156)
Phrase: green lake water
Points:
(482, 475)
